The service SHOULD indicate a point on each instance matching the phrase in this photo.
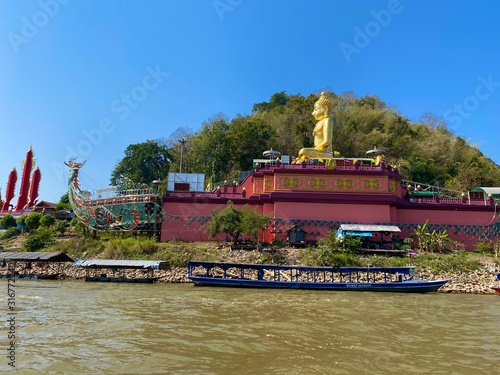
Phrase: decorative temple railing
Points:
(339, 164)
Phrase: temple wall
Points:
(446, 216)
(358, 213)
(188, 221)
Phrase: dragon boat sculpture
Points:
(126, 207)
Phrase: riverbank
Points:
(478, 281)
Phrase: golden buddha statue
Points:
(323, 132)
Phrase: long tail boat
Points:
(375, 279)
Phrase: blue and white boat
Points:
(376, 279)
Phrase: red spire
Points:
(35, 183)
(11, 186)
(22, 199)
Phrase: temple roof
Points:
(494, 191)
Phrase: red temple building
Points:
(318, 198)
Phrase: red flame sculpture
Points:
(35, 183)
(22, 199)
(11, 186)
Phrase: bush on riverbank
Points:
(9, 233)
(458, 261)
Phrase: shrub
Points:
(279, 243)
(47, 220)
(21, 221)
(61, 226)
(11, 232)
(42, 238)
(323, 256)
(33, 220)
(488, 247)
(330, 241)
(352, 243)
(337, 258)
(7, 221)
(435, 241)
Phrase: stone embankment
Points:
(475, 282)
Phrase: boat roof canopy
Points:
(43, 256)
(223, 265)
(117, 263)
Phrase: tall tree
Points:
(209, 149)
(235, 222)
(63, 203)
(277, 102)
(248, 138)
(143, 163)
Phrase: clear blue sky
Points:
(87, 78)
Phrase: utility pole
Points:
(182, 141)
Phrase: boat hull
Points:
(120, 279)
(398, 287)
(17, 276)
(496, 289)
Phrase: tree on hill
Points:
(143, 163)
(277, 102)
(248, 137)
(62, 226)
(7, 221)
(21, 221)
(425, 151)
(42, 238)
(209, 149)
(33, 220)
(47, 220)
(63, 203)
(236, 222)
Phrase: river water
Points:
(74, 327)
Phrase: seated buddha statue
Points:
(322, 133)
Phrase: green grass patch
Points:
(461, 261)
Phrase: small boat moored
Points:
(120, 279)
(376, 279)
(496, 288)
(123, 271)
